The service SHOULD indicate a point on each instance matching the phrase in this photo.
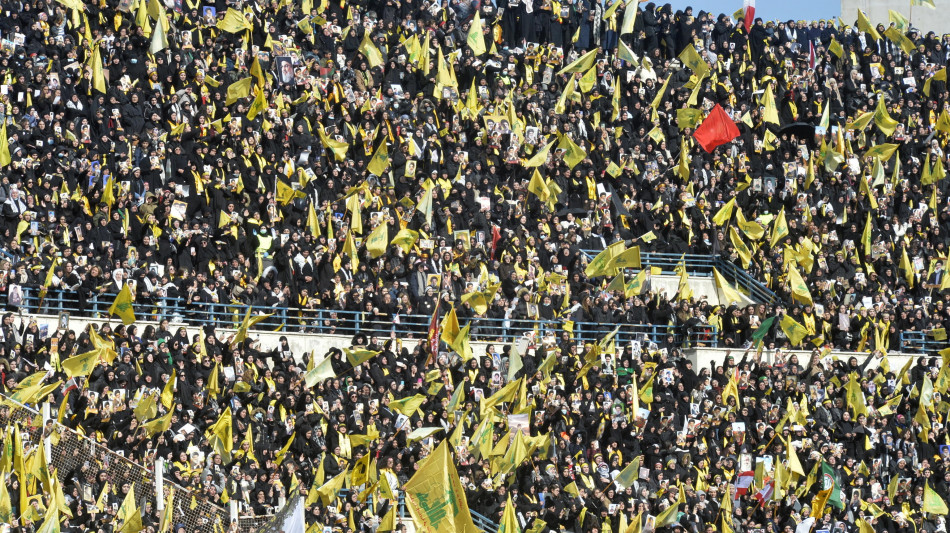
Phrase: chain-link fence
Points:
(72, 451)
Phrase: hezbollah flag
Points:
(829, 481)
(933, 503)
(796, 332)
(82, 364)
(436, 498)
(122, 306)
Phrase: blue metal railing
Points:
(746, 283)
(341, 322)
(920, 342)
(702, 265)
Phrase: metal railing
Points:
(342, 322)
(702, 265)
(920, 342)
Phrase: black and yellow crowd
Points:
(343, 163)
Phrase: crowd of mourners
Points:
(387, 159)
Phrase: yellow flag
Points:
(730, 294)
(883, 119)
(338, 148)
(98, 77)
(234, 21)
(167, 521)
(752, 229)
(798, 286)
(378, 240)
(286, 193)
(122, 306)
(373, 56)
(573, 154)
(671, 513)
(509, 520)
(237, 90)
(795, 331)
(725, 213)
(436, 498)
(581, 64)
(538, 186)
(770, 114)
(329, 491)
(168, 391)
(405, 239)
(600, 265)
(691, 58)
(320, 372)
(907, 267)
(933, 503)
(409, 405)
(865, 25)
(779, 228)
(82, 364)
(380, 161)
(475, 37)
(629, 258)
(741, 249)
(539, 158)
(247, 323)
(5, 157)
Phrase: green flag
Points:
(763, 329)
(829, 480)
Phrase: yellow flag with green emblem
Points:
(475, 37)
(378, 240)
(725, 213)
(601, 264)
(779, 228)
(405, 239)
(373, 56)
(82, 364)
(509, 520)
(933, 503)
(380, 161)
(436, 498)
(122, 306)
(795, 331)
(798, 286)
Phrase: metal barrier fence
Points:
(340, 322)
(921, 342)
(702, 265)
(71, 452)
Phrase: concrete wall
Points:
(319, 344)
(923, 18)
(704, 357)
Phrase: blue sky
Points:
(767, 9)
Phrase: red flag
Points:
(433, 336)
(749, 6)
(812, 58)
(765, 494)
(716, 129)
(743, 482)
(495, 237)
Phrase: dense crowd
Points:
(407, 158)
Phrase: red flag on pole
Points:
(716, 129)
(812, 56)
(749, 6)
(433, 337)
